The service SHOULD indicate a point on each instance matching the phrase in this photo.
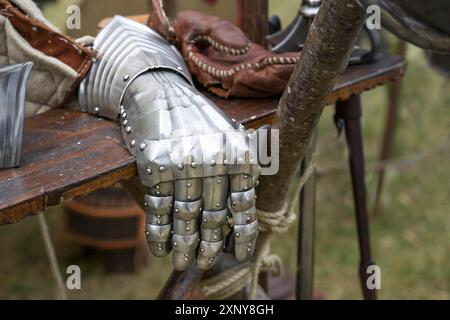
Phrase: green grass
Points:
(411, 238)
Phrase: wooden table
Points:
(67, 154)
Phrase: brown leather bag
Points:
(221, 57)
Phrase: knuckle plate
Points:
(213, 154)
(241, 201)
(158, 238)
(245, 240)
(154, 163)
(214, 234)
(241, 182)
(244, 217)
(208, 254)
(185, 210)
(214, 219)
(185, 227)
(158, 205)
(215, 192)
(188, 189)
(184, 248)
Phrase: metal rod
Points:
(306, 232)
(350, 111)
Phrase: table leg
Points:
(350, 112)
(306, 232)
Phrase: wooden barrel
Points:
(110, 221)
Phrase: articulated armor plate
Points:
(199, 167)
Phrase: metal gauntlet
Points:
(199, 167)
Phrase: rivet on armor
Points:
(162, 169)
(147, 233)
(189, 197)
(170, 205)
(158, 216)
(215, 237)
(128, 129)
(205, 220)
(193, 165)
(216, 231)
(212, 163)
(249, 249)
(188, 229)
(185, 259)
(238, 234)
(145, 204)
(158, 221)
(158, 193)
(180, 166)
(219, 181)
(176, 210)
(245, 176)
(175, 244)
(256, 196)
(257, 182)
(126, 77)
(189, 184)
(211, 258)
(157, 187)
(217, 204)
(186, 254)
(133, 143)
(234, 203)
(142, 146)
(249, 244)
(202, 249)
(123, 115)
(96, 110)
(124, 123)
(188, 222)
(149, 171)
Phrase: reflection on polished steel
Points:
(13, 80)
(423, 23)
(198, 166)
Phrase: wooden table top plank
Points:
(67, 153)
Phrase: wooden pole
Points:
(326, 53)
(253, 19)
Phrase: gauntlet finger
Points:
(242, 207)
(158, 208)
(187, 207)
(215, 212)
